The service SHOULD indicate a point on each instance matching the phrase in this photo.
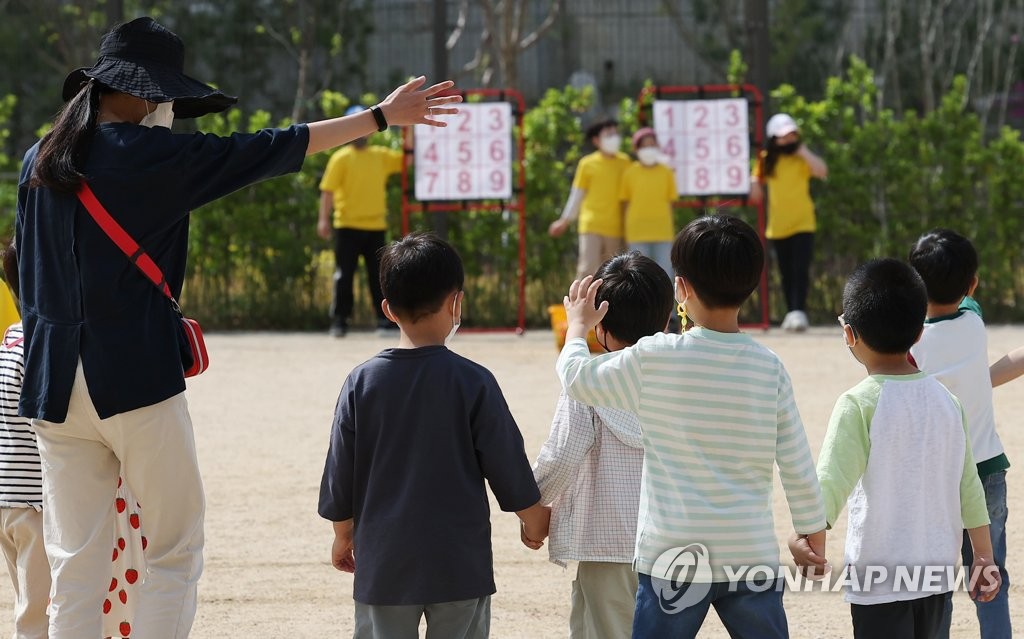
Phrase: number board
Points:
(470, 159)
(708, 142)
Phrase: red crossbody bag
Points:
(138, 256)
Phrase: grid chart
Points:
(470, 159)
(707, 143)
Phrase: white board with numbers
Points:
(708, 143)
(470, 159)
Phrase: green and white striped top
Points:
(717, 413)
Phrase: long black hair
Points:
(771, 157)
(60, 162)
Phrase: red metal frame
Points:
(517, 203)
(755, 98)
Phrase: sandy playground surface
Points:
(262, 416)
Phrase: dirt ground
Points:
(262, 416)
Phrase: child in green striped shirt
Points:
(717, 414)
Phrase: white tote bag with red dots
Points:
(128, 567)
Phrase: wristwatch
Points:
(378, 115)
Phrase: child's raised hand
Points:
(580, 310)
(809, 554)
(985, 579)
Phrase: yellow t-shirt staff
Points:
(594, 199)
(786, 167)
(356, 179)
(353, 209)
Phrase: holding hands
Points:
(809, 554)
(533, 526)
(580, 308)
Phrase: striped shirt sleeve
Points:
(611, 380)
(796, 466)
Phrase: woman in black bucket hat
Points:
(103, 365)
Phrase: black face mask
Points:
(788, 149)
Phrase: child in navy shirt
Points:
(417, 430)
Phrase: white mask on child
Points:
(610, 143)
(649, 155)
(162, 115)
(456, 321)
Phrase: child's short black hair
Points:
(595, 128)
(885, 303)
(417, 273)
(947, 262)
(10, 260)
(721, 257)
(639, 296)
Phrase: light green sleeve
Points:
(611, 380)
(973, 509)
(844, 454)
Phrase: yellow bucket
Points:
(559, 325)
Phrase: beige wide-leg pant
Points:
(81, 458)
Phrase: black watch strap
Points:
(378, 115)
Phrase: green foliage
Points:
(737, 72)
(8, 170)
(256, 261)
(892, 178)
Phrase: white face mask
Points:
(610, 143)
(649, 155)
(456, 320)
(162, 115)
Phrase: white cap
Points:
(781, 124)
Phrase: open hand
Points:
(408, 104)
(580, 309)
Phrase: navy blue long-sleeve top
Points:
(416, 433)
(82, 298)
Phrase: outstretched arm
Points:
(1008, 368)
(407, 105)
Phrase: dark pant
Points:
(349, 245)
(794, 255)
(914, 619)
(746, 613)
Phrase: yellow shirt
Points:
(649, 192)
(600, 176)
(790, 209)
(8, 309)
(358, 179)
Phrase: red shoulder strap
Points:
(136, 254)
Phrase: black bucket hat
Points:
(147, 60)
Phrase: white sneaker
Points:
(800, 321)
(787, 322)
